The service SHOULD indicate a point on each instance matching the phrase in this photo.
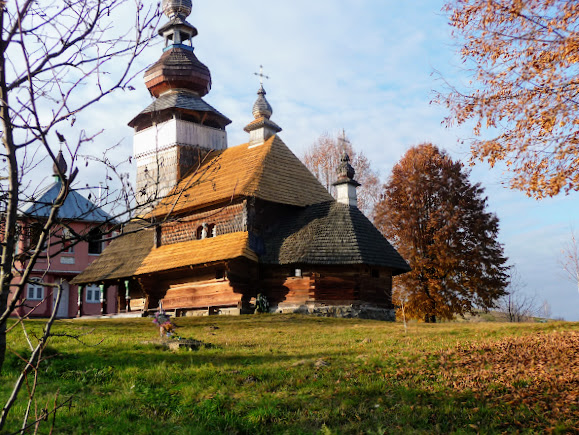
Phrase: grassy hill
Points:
(300, 374)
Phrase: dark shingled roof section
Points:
(75, 208)
(122, 257)
(180, 100)
(330, 233)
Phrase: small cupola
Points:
(261, 128)
(346, 185)
(178, 67)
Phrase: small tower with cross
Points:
(346, 185)
(261, 128)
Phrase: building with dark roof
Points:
(220, 225)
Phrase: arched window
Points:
(35, 290)
(211, 230)
(199, 232)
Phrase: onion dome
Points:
(345, 169)
(261, 107)
(261, 128)
(59, 166)
(178, 67)
(174, 8)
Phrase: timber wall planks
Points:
(201, 295)
(343, 285)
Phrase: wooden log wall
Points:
(201, 294)
(229, 219)
(326, 284)
(220, 285)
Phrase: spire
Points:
(261, 128)
(178, 67)
(346, 185)
(261, 107)
(59, 166)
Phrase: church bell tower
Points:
(178, 128)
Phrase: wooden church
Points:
(220, 225)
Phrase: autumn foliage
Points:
(523, 56)
(323, 159)
(437, 221)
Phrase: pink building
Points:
(64, 256)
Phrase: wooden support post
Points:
(127, 296)
(80, 300)
(103, 299)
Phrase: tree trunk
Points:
(429, 318)
(2, 339)
(9, 236)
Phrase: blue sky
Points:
(365, 66)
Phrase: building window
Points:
(35, 291)
(158, 236)
(211, 230)
(34, 233)
(95, 242)
(93, 294)
(199, 233)
(67, 245)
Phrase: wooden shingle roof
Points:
(194, 252)
(122, 257)
(330, 233)
(269, 171)
(134, 254)
(183, 101)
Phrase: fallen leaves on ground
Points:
(539, 372)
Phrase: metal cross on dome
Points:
(343, 140)
(261, 75)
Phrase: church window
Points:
(158, 236)
(35, 291)
(95, 242)
(93, 294)
(211, 230)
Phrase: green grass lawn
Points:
(301, 374)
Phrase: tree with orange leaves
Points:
(436, 219)
(524, 56)
(323, 159)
